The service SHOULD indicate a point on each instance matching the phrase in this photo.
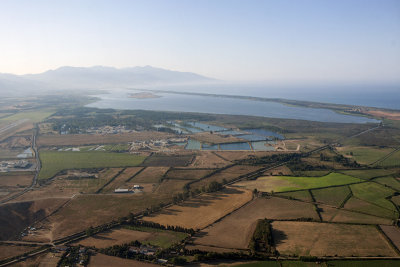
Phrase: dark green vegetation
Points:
(262, 240)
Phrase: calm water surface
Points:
(218, 105)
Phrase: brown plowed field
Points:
(235, 230)
(323, 239)
(201, 211)
(393, 233)
(101, 260)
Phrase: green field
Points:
(373, 193)
(365, 155)
(340, 263)
(368, 174)
(292, 183)
(389, 181)
(302, 195)
(333, 196)
(55, 161)
(33, 116)
(393, 160)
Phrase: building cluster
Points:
(135, 189)
(109, 130)
(14, 165)
(163, 144)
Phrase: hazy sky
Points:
(270, 40)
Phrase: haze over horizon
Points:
(268, 41)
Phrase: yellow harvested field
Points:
(207, 159)
(235, 230)
(201, 211)
(227, 174)
(101, 260)
(150, 175)
(323, 239)
(114, 237)
(15, 179)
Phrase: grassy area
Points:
(393, 160)
(368, 174)
(289, 183)
(54, 161)
(163, 238)
(365, 155)
(366, 263)
(260, 264)
(34, 116)
(302, 195)
(389, 181)
(373, 193)
(333, 196)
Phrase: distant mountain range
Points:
(96, 77)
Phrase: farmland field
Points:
(190, 214)
(368, 174)
(227, 174)
(389, 181)
(289, 183)
(101, 260)
(365, 155)
(15, 179)
(301, 195)
(322, 239)
(369, 208)
(92, 210)
(393, 160)
(150, 175)
(333, 196)
(235, 230)
(373, 193)
(188, 174)
(53, 162)
(393, 233)
(168, 160)
(119, 236)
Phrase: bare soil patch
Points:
(235, 230)
(201, 211)
(323, 239)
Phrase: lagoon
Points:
(220, 105)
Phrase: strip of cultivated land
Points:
(55, 161)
